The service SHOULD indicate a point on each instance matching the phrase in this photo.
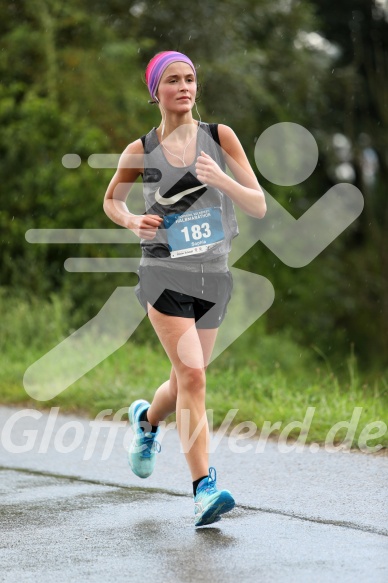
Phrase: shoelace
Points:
(150, 444)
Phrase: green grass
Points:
(267, 378)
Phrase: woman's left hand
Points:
(208, 170)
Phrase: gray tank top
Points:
(199, 221)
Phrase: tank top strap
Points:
(149, 141)
(214, 131)
(215, 145)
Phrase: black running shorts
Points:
(186, 294)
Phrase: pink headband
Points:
(158, 65)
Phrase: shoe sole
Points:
(223, 504)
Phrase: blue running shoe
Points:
(210, 503)
(141, 453)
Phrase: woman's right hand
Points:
(145, 226)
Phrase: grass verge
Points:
(269, 380)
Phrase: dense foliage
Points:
(72, 82)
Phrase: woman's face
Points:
(177, 87)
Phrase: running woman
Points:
(184, 280)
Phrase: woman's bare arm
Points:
(144, 226)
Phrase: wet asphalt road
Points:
(83, 516)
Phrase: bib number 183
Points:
(196, 232)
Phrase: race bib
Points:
(193, 232)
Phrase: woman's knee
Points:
(191, 379)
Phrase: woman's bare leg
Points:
(195, 347)
(164, 401)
